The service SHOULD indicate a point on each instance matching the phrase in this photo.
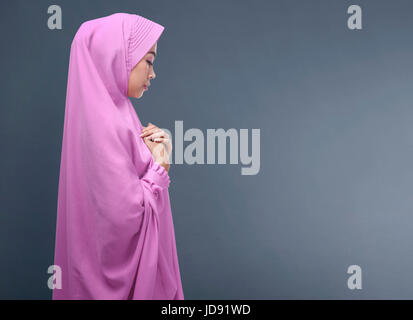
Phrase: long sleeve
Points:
(156, 179)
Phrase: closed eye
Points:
(150, 63)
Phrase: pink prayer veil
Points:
(114, 231)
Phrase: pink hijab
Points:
(114, 233)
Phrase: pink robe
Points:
(114, 233)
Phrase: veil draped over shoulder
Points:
(114, 232)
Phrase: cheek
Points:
(136, 81)
(137, 76)
(140, 78)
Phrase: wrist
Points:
(163, 163)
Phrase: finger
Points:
(148, 127)
(151, 139)
(144, 131)
(148, 142)
(149, 132)
(158, 134)
(161, 139)
(148, 139)
(164, 141)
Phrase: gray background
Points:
(334, 109)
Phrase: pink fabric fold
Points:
(114, 232)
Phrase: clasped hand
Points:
(159, 143)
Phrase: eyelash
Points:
(150, 63)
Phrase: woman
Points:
(114, 233)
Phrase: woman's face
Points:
(142, 74)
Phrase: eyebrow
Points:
(154, 54)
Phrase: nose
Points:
(152, 75)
